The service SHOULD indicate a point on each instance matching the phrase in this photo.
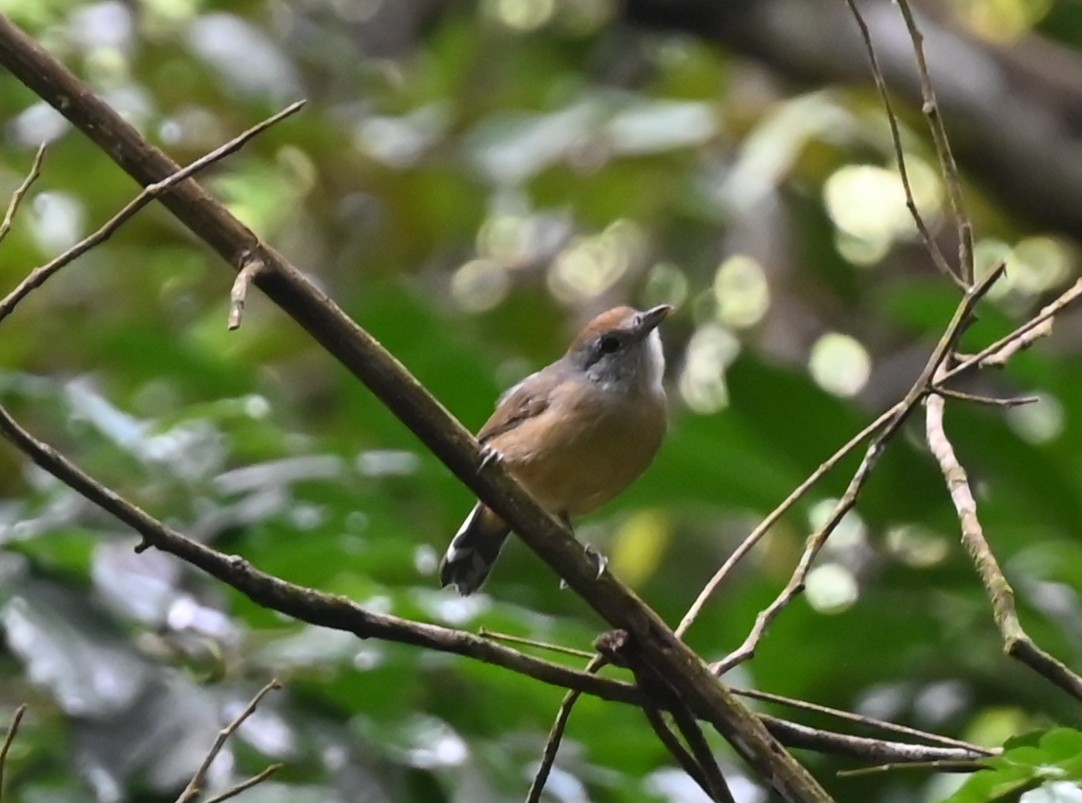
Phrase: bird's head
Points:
(621, 347)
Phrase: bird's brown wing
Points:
(527, 399)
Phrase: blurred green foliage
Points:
(470, 183)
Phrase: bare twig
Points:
(902, 410)
(1021, 337)
(994, 355)
(896, 140)
(445, 437)
(239, 294)
(991, 401)
(1041, 329)
(244, 785)
(937, 765)
(700, 750)
(870, 722)
(677, 750)
(949, 167)
(195, 785)
(696, 759)
(1016, 642)
(20, 192)
(541, 645)
(863, 748)
(39, 276)
(764, 527)
(9, 739)
(556, 734)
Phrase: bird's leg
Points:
(566, 519)
(602, 560)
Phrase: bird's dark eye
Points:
(608, 344)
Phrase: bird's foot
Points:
(601, 560)
(489, 455)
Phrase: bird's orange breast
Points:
(586, 447)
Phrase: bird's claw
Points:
(489, 455)
(602, 560)
(602, 563)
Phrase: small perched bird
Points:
(575, 434)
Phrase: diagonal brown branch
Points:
(418, 410)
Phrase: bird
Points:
(574, 434)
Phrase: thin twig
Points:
(20, 192)
(764, 527)
(930, 244)
(862, 748)
(556, 734)
(1016, 642)
(238, 295)
(1042, 329)
(816, 540)
(677, 750)
(951, 176)
(992, 401)
(541, 645)
(39, 276)
(9, 739)
(1021, 337)
(938, 765)
(244, 785)
(849, 716)
(195, 785)
(660, 693)
(701, 752)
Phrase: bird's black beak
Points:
(648, 321)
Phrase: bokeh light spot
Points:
(665, 284)
(479, 285)
(1038, 423)
(831, 588)
(743, 295)
(520, 15)
(839, 364)
(867, 204)
(592, 265)
(710, 352)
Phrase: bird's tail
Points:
(473, 550)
